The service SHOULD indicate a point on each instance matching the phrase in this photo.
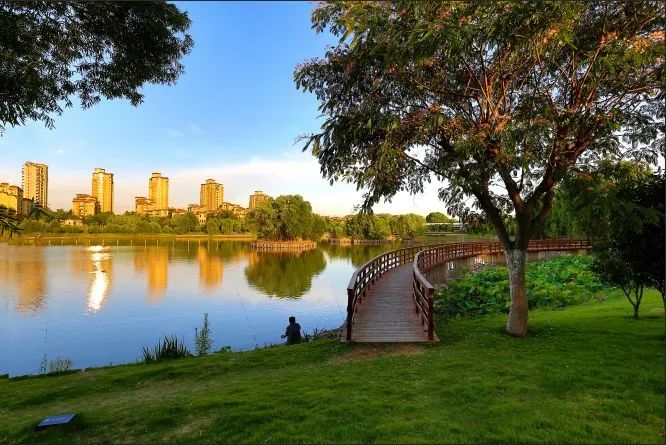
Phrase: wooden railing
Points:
(424, 258)
(368, 273)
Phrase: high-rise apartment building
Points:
(158, 191)
(102, 189)
(212, 195)
(11, 197)
(83, 205)
(36, 182)
(257, 198)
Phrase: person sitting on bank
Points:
(293, 332)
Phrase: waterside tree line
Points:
(285, 218)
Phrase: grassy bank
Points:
(585, 374)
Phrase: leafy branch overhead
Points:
(500, 98)
(52, 51)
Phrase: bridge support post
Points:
(431, 324)
(350, 313)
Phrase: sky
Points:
(233, 116)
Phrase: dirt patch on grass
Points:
(367, 352)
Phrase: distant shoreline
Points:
(128, 236)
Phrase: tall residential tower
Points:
(257, 198)
(102, 190)
(212, 195)
(36, 182)
(158, 191)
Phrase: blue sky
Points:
(233, 116)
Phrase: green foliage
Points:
(499, 98)
(335, 227)
(53, 51)
(227, 223)
(287, 217)
(185, 223)
(631, 256)
(439, 217)
(586, 198)
(168, 348)
(318, 334)
(9, 222)
(551, 283)
(203, 343)
(285, 274)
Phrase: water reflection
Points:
(282, 274)
(210, 268)
(98, 305)
(357, 254)
(27, 275)
(154, 261)
(101, 277)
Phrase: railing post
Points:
(431, 327)
(350, 312)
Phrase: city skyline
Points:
(242, 198)
(237, 125)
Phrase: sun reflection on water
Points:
(100, 285)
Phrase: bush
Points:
(553, 283)
(202, 339)
(166, 349)
(60, 364)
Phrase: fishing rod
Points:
(254, 337)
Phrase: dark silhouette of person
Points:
(293, 332)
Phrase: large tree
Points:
(500, 98)
(52, 51)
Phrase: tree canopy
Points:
(287, 217)
(438, 217)
(632, 254)
(498, 98)
(52, 51)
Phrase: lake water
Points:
(99, 304)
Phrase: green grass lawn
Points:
(585, 374)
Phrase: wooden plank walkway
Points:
(387, 314)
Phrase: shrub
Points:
(60, 364)
(553, 283)
(202, 339)
(167, 348)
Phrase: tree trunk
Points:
(517, 323)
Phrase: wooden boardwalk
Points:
(389, 299)
(387, 314)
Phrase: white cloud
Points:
(298, 174)
(295, 173)
(60, 151)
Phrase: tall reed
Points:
(170, 347)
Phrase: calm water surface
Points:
(99, 304)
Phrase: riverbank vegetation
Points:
(587, 373)
(552, 283)
(377, 226)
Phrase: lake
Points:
(98, 304)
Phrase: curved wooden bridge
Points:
(389, 299)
